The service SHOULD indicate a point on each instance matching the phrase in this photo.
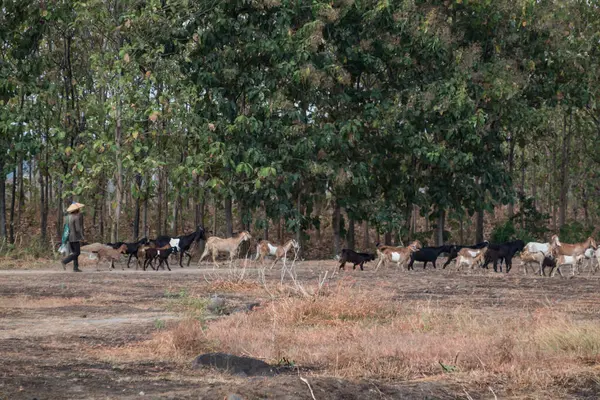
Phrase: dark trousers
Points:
(75, 251)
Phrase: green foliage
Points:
(574, 232)
(528, 225)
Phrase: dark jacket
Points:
(75, 227)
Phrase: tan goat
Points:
(470, 257)
(398, 255)
(569, 254)
(528, 258)
(215, 245)
(110, 254)
(265, 248)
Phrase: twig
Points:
(495, 397)
(467, 394)
(309, 388)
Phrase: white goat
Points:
(470, 257)
(265, 248)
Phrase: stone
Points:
(236, 365)
(216, 305)
(234, 396)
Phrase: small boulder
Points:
(236, 365)
(216, 305)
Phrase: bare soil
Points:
(51, 321)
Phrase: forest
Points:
(324, 121)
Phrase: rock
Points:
(216, 305)
(246, 308)
(234, 396)
(244, 366)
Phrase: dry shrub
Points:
(186, 339)
(225, 285)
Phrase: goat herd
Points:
(148, 252)
(554, 254)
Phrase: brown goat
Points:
(398, 255)
(109, 254)
(574, 250)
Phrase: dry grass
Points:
(357, 333)
(25, 301)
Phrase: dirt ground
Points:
(51, 321)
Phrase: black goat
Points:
(181, 244)
(456, 248)
(162, 256)
(186, 241)
(355, 258)
(502, 251)
(428, 254)
(132, 248)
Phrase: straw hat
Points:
(74, 207)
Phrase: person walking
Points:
(75, 222)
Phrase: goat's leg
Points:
(187, 253)
(181, 258)
(167, 262)
(204, 254)
(342, 265)
(362, 264)
(508, 262)
(450, 258)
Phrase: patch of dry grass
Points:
(356, 332)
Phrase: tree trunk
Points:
(479, 226)
(564, 179)
(336, 229)
(387, 238)
(462, 230)
(43, 209)
(59, 208)
(215, 209)
(279, 231)
(2, 199)
(138, 205)
(118, 177)
(175, 216)
(21, 194)
(299, 229)
(366, 241)
(13, 203)
(440, 228)
(523, 167)
(228, 216)
(350, 238)
(159, 200)
(553, 184)
(511, 163)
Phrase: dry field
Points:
(433, 334)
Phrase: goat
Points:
(132, 248)
(183, 243)
(535, 247)
(109, 254)
(146, 254)
(355, 258)
(597, 255)
(265, 248)
(216, 245)
(456, 248)
(470, 257)
(529, 257)
(503, 251)
(399, 255)
(94, 247)
(559, 261)
(574, 250)
(428, 254)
